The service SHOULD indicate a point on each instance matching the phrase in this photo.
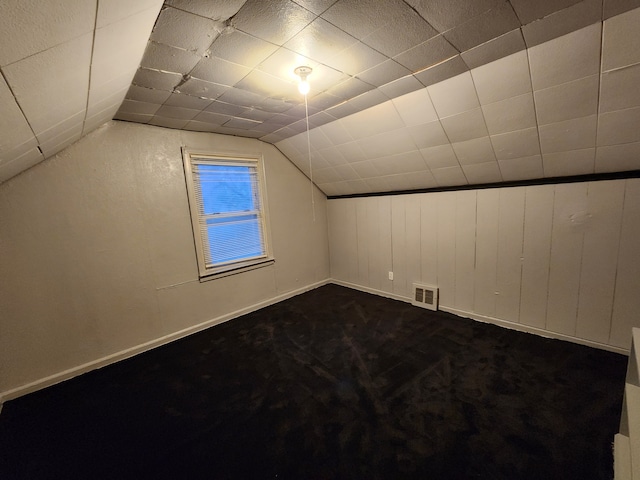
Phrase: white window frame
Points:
(208, 272)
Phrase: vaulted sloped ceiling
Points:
(404, 95)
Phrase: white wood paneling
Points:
(626, 305)
(362, 223)
(599, 258)
(413, 241)
(538, 217)
(338, 236)
(399, 245)
(486, 251)
(509, 268)
(372, 237)
(569, 218)
(465, 249)
(386, 256)
(446, 224)
(428, 239)
(562, 259)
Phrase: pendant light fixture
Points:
(303, 87)
(303, 72)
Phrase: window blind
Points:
(229, 211)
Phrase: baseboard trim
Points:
(495, 321)
(133, 351)
(380, 293)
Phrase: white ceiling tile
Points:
(332, 155)
(621, 126)
(621, 40)
(575, 99)
(185, 30)
(570, 57)
(99, 117)
(336, 132)
(618, 158)
(299, 142)
(317, 160)
(428, 135)
(525, 168)
(118, 47)
(502, 79)
(14, 129)
(515, 113)
(318, 139)
(98, 120)
(439, 156)
(401, 163)
(352, 152)
(141, 118)
(478, 150)
(113, 100)
(575, 134)
(374, 120)
(358, 186)
(140, 108)
(11, 151)
(387, 143)
(61, 142)
(416, 108)
(98, 93)
(521, 143)
(168, 122)
(454, 95)
(302, 162)
(365, 169)
(52, 85)
(285, 146)
(482, 173)
(31, 26)
(111, 11)
(346, 172)
(619, 89)
(411, 181)
(209, 9)
(326, 175)
(25, 161)
(378, 184)
(574, 162)
(59, 128)
(449, 176)
(330, 188)
(465, 126)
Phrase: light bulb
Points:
(303, 73)
(303, 87)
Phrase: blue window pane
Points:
(230, 241)
(226, 188)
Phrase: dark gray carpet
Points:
(331, 384)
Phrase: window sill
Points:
(233, 270)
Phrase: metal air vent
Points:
(425, 296)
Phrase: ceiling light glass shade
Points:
(303, 73)
(303, 87)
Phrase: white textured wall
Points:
(97, 256)
(562, 260)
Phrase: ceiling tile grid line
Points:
(256, 29)
(494, 72)
(535, 135)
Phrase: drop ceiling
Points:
(404, 94)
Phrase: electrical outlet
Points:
(390, 275)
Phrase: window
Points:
(228, 214)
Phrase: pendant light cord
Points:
(313, 201)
